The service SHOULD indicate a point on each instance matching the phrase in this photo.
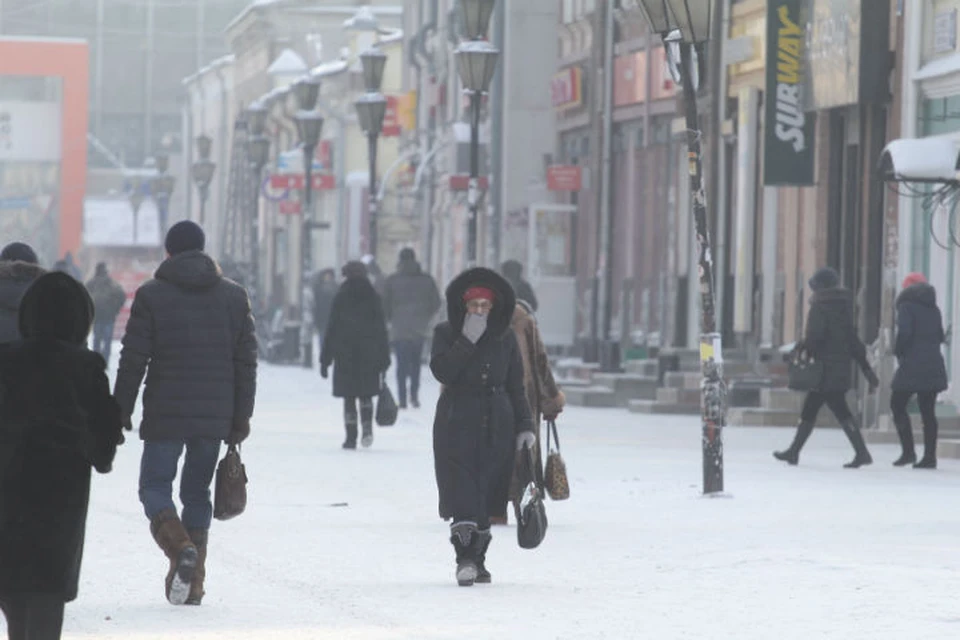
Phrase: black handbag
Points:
(804, 373)
(386, 407)
(230, 491)
(531, 514)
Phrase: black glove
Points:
(127, 422)
(324, 371)
(240, 431)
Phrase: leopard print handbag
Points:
(555, 474)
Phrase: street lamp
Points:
(202, 171)
(691, 18)
(476, 64)
(162, 186)
(371, 110)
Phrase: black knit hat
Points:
(826, 278)
(186, 235)
(20, 252)
(354, 269)
(407, 255)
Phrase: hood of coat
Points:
(834, 298)
(56, 307)
(358, 290)
(921, 293)
(503, 307)
(190, 270)
(409, 268)
(15, 277)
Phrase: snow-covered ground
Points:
(815, 551)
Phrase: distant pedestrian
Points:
(482, 417)
(921, 369)
(108, 299)
(512, 270)
(410, 302)
(356, 345)
(69, 267)
(324, 290)
(18, 269)
(374, 273)
(191, 331)
(832, 339)
(57, 421)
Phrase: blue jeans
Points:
(158, 468)
(103, 338)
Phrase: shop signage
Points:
(564, 177)
(297, 181)
(461, 182)
(789, 130)
(566, 88)
(945, 31)
(391, 121)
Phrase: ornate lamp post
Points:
(202, 172)
(162, 186)
(258, 153)
(684, 26)
(371, 110)
(476, 64)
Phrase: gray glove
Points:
(526, 439)
(474, 326)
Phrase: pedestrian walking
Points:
(410, 302)
(921, 370)
(191, 331)
(482, 416)
(546, 402)
(374, 273)
(512, 270)
(18, 269)
(357, 347)
(108, 299)
(832, 339)
(57, 422)
(324, 290)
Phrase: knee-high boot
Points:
(862, 456)
(905, 433)
(930, 432)
(350, 423)
(464, 537)
(366, 421)
(792, 455)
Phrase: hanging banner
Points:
(789, 130)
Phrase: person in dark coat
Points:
(410, 301)
(832, 339)
(921, 369)
(57, 421)
(324, 290)
(356, 345)
(18, 269)
(512, 270)
(108, 299)
(482, 416)
(191, 331)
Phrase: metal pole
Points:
(496, 141)
(712, 390)
(374, 205)
(473, 194)
(203, 205)
(605, 257)
(253, 287)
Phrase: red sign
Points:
(324, 154)
(297, 181)
(566, 88)
(391, 121)
(562, 177)
(461, 182)
(290, 207)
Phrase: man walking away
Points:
(18, 270)
(513, 272)
(191, 331)
(108, 299)
(410, 301)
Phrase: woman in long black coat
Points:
(357, 346)
(832, 339)
(57, 420)
(920, 369)
(482, 416)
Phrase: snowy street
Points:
(815, 551)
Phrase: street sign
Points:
(461, 182)
(564, 177)
(290, 208)
(297, 181)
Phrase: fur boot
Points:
(199, 538)
(173, 539)
(463, 536)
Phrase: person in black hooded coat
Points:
(57, 421)
(832, 339)
(18, 269)
(357, 346)
(921, 369)
(482, 416)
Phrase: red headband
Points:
(476, 293)
(913, 278)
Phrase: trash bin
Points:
(667, 362)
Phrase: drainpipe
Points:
(223, 174)
(496, 138)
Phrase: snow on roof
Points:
(330, 68)
(222, 61)
(362, 20)
(288, 62)
(391, 36)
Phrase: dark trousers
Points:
(103, 338)
(32, 616)
(408, 366)
(927, 401)
(158, 469)
(835, 400)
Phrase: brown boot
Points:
(173, 539)
(199, 538)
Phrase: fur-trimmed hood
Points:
(503, 307)
(56, 307)
(921, 293)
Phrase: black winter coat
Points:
(410, 301)
(15, 277)
(191, 331)
(832, 338)
(919, 336)
(482, 407)
(323, 295)
(57, 420)
(356, 341)
(108, 298)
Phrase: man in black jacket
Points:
(192, 332)
(18, 270)
(108, 299)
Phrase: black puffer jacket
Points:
(832, 339)
(15, 277)
(356, 341)
(193, 329)
(57, 420)
(483, 406)
(919, 336)
(410, 301)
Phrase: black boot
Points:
(415, 394)
(862, 456)
(905, 432)
(350, 423)
(483, 543)
(401, 393)
(929, 460)
(463, 536)
(792, 455)
(366, 421)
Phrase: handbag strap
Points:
(552, 426)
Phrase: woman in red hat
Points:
(482, 416)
